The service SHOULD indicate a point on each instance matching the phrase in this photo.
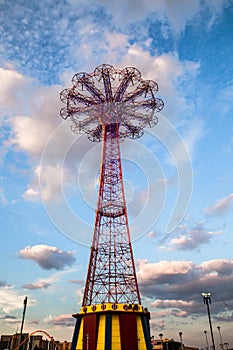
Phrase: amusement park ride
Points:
(110, 105)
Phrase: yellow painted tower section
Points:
(141, 337)
(101, 333)
(116, 339)
(80, 337)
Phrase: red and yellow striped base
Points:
(112, 327)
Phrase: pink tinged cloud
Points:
(221, 267)
(193, 238)
(147, 271)
(160, 314)
(179, 313)
(33, 322)
(221, 206)
(48, 257)
(172, 303)
(62, 320)
(39, 285)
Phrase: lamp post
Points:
(181, 340)
(88, 336)
(161, 339)
(23, 317)
(207, 300)
(220, 336)
(207, 344)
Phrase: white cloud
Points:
(151, 234)
(193, 238)
(42, 124)
(38, 285)
(177, 14)
(3, 199)
(48, 257)
(180, 12)
(170, 73)
(31, 193)
(12, 85)
(178, 284)
(48, 183)
(147, 271)
(11, 300)
(63, 320)
(219, 266)
(156, 323)
(52, 283)
(31, 132)
(191, 134)
(172, 303)
(221, 206)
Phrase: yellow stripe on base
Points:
(79, 345)
(111, 307)
(140, 334)
(116, 339)
(101, 333)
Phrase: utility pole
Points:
(220, 335)
(181, 340)
(161, 340)
(207, 301)
(22, 323)
(207, 343)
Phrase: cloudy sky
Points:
(178, 176)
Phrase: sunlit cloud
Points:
(192, 238)
(64, 320)
(39, 285)
(221, 206)
(48, 257)
(11, 299)
(177, 284)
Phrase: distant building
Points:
(34, 342)
(64, 345)
(170, 344)
(5, 342)
(12, 341)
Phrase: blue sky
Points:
(48, 183)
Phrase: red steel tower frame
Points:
(111, 275)
(110, 105)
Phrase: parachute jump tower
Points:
(110, 105)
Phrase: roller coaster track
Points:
(37, 331)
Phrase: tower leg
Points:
(76, 332)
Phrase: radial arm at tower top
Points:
(109, 95)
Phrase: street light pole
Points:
(161, 339)
(24, 311)
(220, 335)
(207, 301)
(207, 344)
(181, 340)
(88, 336)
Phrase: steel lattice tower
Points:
(111, 276)
(110, 105)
